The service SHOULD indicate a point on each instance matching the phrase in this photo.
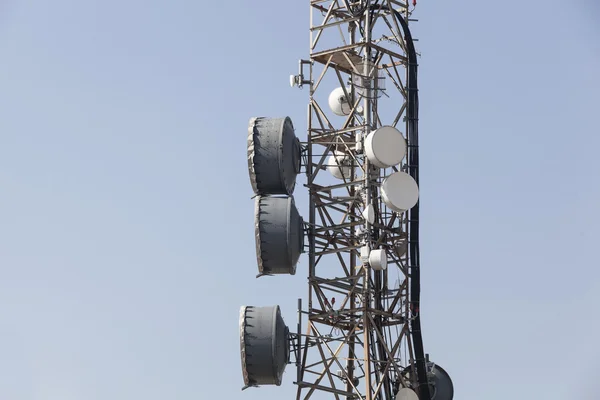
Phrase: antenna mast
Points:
(363, 335)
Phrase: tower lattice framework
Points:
(361, 160)
(363, 336)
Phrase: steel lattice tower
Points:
(363, 335)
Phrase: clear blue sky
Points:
(126, 224)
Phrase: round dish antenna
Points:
(369, 213)
(406, 394)
(440, 384)
(339, 165)
(273, 155)
(279, 234)
(378, 259)
(264, 347)
(399, 191)
(385, 147)
(401, 245)
(339, 103)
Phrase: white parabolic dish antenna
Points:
(385, 147)
(406, 394)
(400, 191)
(369, 213)
(339, 103)
(339, 165)
(378, 259)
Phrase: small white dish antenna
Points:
(339, 102)
(378, 259)
(385, 147)
(401, 247)
(339, 165)
(369, 213)
(292, 80)
(399, 191)
(406, 394)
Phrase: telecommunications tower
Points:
(362, 330)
